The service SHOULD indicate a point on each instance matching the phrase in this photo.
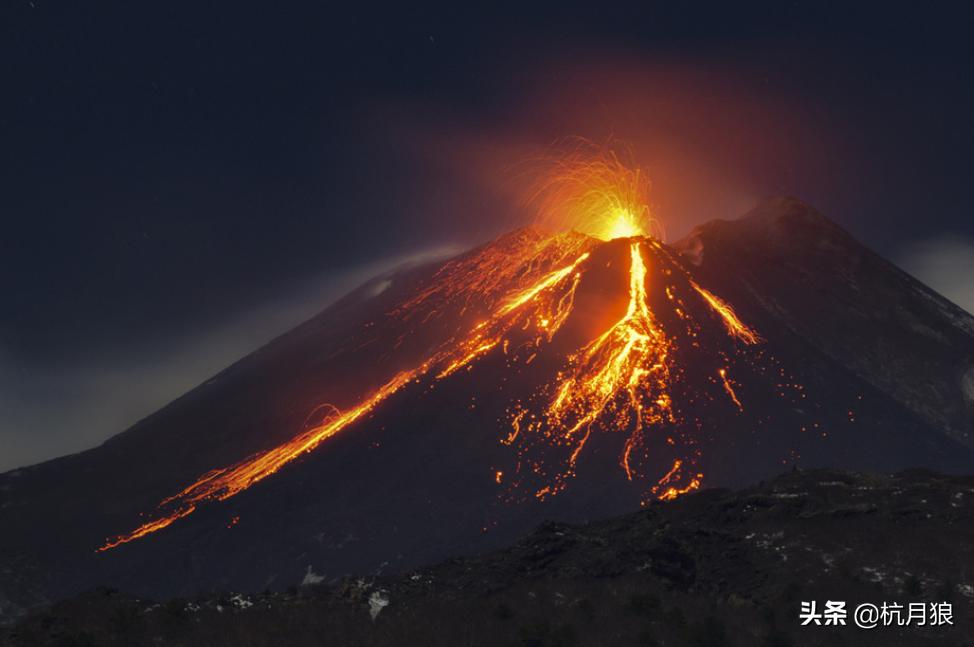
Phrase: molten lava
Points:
(592, 191)
(734, 325)
(620, 379)
(623, 381)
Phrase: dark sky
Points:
(180, 182)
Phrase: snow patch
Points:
(311, 578)
(240, 601)
(377, 602)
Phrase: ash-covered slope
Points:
(536, 377)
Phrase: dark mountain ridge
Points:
(918, 350)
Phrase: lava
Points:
(149, 527)
(622, 381)
(548, 316)
(729, 388)
(591, 190)
(665, 491)
(487, 274)
(734, 325)
(223, 484)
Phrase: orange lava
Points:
(547, 315)
(487, 274)
(664, 490)
(619, 380)
(729, 389)
(734, 325)
(591, 190)
(149, 527)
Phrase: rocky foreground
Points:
(710, 569)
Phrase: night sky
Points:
(181, 182)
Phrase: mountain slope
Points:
(888, 328)
(535, 377)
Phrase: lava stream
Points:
(547, 315)
(734, 325)
(620, 380)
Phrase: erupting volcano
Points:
(621, 381)
(574, 369)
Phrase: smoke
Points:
(58, 408)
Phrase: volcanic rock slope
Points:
(448, 409)
(717, 568)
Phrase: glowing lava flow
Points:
(223, 484)
(548, 317)
(664, 491)
(734, 325)
(218, 485)
(487, 274)
(149, 527)
(729, 389)
(620, 380)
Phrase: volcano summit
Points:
(450, 408)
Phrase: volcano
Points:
(449, 408)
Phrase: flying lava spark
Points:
(622, 381)
(593, 191)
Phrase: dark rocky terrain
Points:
(710, 569)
